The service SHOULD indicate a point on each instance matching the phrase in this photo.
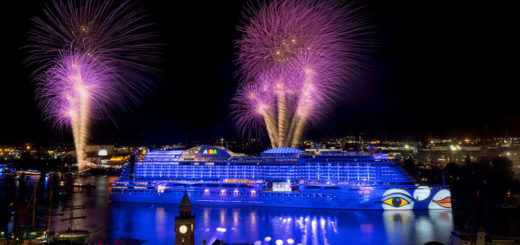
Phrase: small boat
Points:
(85, 186)
(72, 234)
(29, 172)
(79, 236)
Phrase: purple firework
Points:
(117, 37)
(300, 54)
(72, 76)
(88, 57)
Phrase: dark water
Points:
(258, 225)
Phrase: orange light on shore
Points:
(118, 159)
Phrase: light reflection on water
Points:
(304, 226)
(258, 225)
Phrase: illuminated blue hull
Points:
(368, 198)
(281, 177)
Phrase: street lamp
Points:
(453, 149)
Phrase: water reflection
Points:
(398, 226)
(420, 227)
(257, 225)
(260, 225)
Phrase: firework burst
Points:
(295, 58)
(89, 57)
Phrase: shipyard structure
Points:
(280, 177)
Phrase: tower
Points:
(185, 223)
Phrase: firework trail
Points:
(295, 58)
(89, 57)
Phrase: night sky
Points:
(441, 68)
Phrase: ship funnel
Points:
(133, 159)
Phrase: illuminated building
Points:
(185, 223)
(281, 177)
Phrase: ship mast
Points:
(34, 205)
(50, 210)
(71, 214)
(70, 211)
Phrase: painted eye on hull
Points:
(396, 202)
(397, 199)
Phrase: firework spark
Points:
(89, 57)
(295, 58)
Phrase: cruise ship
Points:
(279, 177)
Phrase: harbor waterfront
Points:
(264, 225)
(259, 122)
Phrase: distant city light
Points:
(102, 152)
